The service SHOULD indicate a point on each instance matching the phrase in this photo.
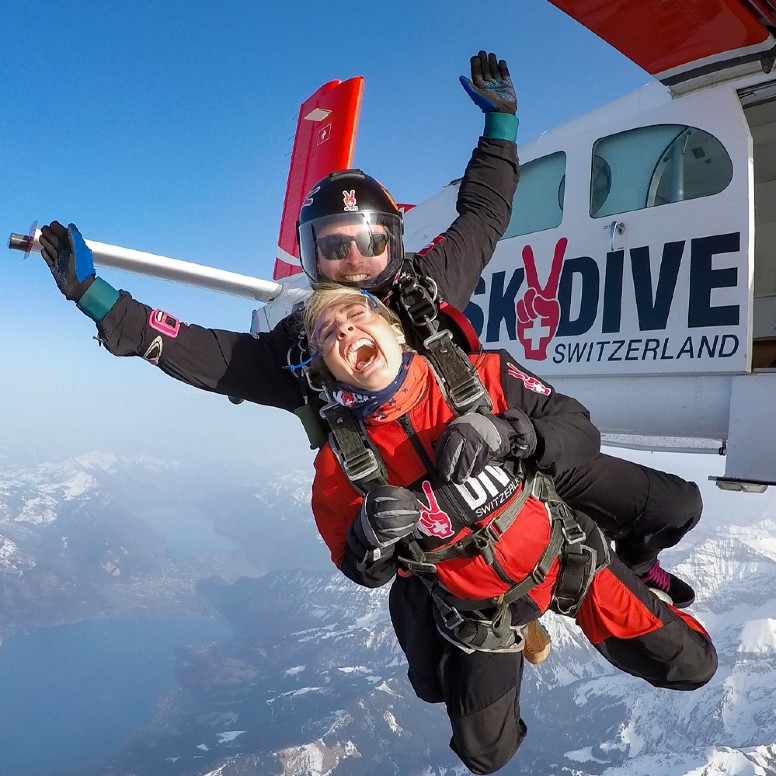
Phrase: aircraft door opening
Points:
(761, 118)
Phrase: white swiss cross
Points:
(536, 332)
(324, 133)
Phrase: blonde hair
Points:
(327, 294)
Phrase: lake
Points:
(70, 695)
(187, 532)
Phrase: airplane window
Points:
(657, 165)
(538, 202)
(600, 183)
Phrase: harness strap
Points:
(579, 562)
(459, 377)
(418, 297)
(522, 588)
(361, 464)
(579, 565)
(479, 542)
(477, 632)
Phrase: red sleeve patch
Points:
(531, 383)
(438, 239)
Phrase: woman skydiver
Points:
(474, 559)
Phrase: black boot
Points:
(660, 580)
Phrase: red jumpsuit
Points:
(623, 620)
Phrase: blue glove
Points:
(490, 86)
(71, 263)
(68, 258)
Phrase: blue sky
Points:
(168, 127)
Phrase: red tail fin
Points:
(325, 136)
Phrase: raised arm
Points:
(487, 189)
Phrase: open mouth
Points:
(361, 353)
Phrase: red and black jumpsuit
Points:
(625, 622)
(645, 510)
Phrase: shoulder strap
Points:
(360, 461)
(418, 300)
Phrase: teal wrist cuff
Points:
(501, 126)
(98, 299)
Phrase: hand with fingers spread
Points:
(490, 86)
(69, 259)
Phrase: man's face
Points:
(341, 259)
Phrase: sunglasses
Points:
(336, 247)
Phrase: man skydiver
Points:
(350, 230)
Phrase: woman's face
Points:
(357, 344)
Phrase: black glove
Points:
(490, 86)
(69, 259)
(472, 441)
(388, 514)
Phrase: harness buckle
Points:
(452, 618)
(572, 532)
(485, 539)
(537, 575)
(357, 459)
(418, 566)
(484, 542)
(363, 467)
(461, 380)
(419, 300)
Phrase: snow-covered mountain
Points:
(66, 542)
(312, 682)
(96, 536)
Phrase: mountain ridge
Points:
(312, 682)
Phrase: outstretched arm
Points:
(487, 189)
(226, 362)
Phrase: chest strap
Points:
(480, 542)
(460, 380)
(579, 562)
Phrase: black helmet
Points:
(350, 197)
